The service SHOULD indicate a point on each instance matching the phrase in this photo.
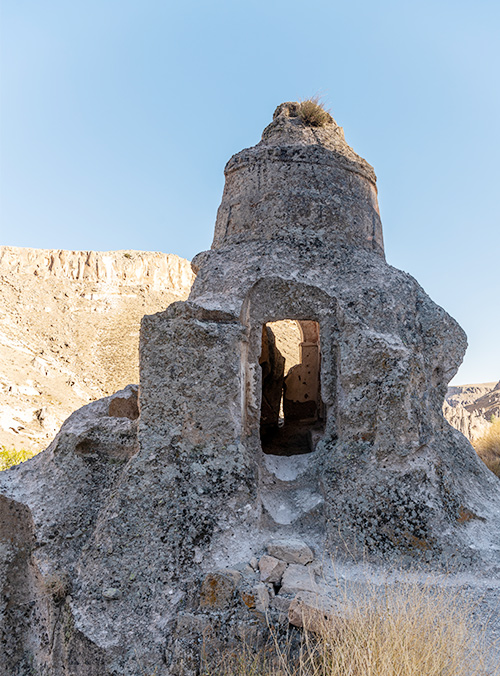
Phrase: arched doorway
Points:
(292, 412)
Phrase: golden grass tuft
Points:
(488, 447)
(313, 113)
(12, 456)
(404, 630)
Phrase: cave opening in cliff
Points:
(292, 411)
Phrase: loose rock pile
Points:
(240, 604)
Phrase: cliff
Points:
(470, 408)
(69, 330)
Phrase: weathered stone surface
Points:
(257, 598)
(281, 604)
(291, 550)
(272, 364)
(298, 578)
(271, 569)
(312, 612)
(125, 407)
(111, 593)
(217, 588)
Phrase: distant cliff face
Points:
(69, 330)
(470, 408)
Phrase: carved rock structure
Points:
(361, 465)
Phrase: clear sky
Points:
(117, 117)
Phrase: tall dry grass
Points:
(404, 630)
(488, 447)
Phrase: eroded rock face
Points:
(49, 509)
(471, 408)
(69, 330)
(169, 521)
(272, 364)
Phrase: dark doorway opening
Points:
(292, 412)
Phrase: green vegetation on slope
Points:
(12, 456)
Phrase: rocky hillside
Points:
(69, 330)
(470, 408)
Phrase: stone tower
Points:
(298, 236)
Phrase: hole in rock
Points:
(292, 412)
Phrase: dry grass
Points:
(313, 113)
(409, 630)
(58, 586)
(11, 456)
(245, 662)
(488, 447)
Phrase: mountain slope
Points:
(69, 330)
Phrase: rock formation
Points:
(122, 557)
(471, 408)
(61, 311)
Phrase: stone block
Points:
(256, 598)
(271, 569)
(298, 578)
(312, 612)
(125, 406)
(218, 587)
(290, 550)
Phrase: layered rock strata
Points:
(472, 408)
(62, 311)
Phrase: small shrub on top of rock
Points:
(313, 113)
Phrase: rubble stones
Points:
(298, 578)
(218, 587)
(291, 551)
(312, 612)
(256, 598)
(271, 569)
(281, 604)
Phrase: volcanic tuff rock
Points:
(127, 552)
(69, 330)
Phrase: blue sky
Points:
(117, 118)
